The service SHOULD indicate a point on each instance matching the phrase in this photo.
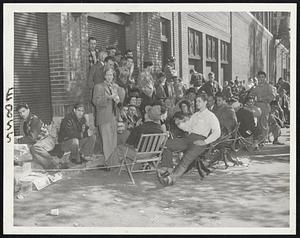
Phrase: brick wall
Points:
(68, 60)
(58, 77)
(143, 37)
(153, 50)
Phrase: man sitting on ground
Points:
(203, 128)
(73, 135)
(37, 137)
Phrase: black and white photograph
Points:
(149, 118)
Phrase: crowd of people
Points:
(128, 104)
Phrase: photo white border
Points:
(8, 50)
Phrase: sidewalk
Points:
(256, 195)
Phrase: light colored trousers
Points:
(263, 121)
(108, 133)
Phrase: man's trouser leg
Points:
(287, 115)
(173, 145)
(40, 153)
(109, 135)
(87, 145)
(264, 119)
(192, 152)
(275, 130)
(72, 145)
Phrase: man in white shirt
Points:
(203, 128)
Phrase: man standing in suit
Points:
(105, 99)
(96, 73)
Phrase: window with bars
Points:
(224, 52)
(211, 48)
(195, 44)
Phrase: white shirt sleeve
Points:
(215, 129)
(186, 126)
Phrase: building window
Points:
(165, 40)
(195, 44)
(224, 52)
(211, 48)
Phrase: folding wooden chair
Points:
(148, 151)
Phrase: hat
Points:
(154, 112)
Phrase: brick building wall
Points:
(68, 60)
(251, 48)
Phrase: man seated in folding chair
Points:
(127, 153)
(203, 128)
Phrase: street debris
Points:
(54, 212)
(20, 196)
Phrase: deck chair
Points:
(148, 152)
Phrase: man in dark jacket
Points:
(225, 114)
(37, 137)
(73, 135)
(245, 118)
(211, 87)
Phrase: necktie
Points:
(113, 102)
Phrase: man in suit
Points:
(146, 85)
(105, 99)
(96, 73)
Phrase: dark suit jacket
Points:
(148, 127)
(96, 75)
(247, 124)
(71, 128)
(210, 88)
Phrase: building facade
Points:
(51, 50)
